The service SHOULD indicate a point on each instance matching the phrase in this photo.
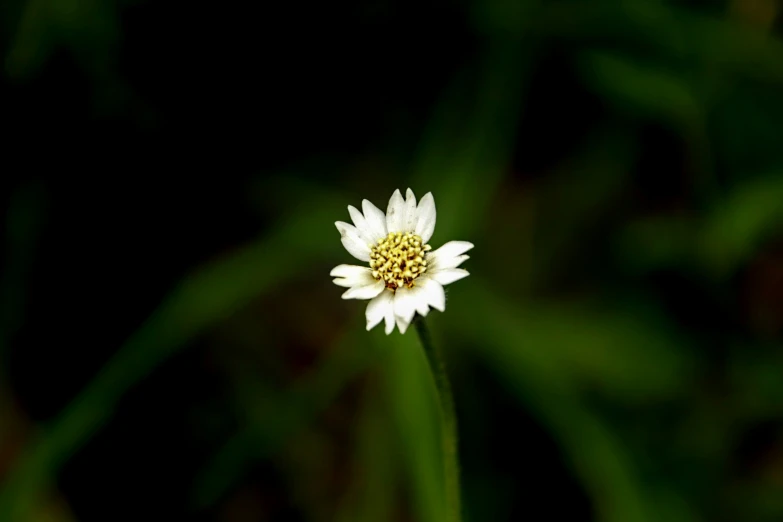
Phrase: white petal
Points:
(446, 263)
(402, 325)
(352, 275)
(425, 224)
(376, 220)
(411, 215)
(419, 301)
(361, 225)
(395, 213)
(366, 291)
(353, 241)
(433, 293)
(449, 275)
(378, 307)
(404, 305)
(349, 271)
(447, 252)
(389, 318)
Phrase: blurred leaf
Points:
(729, 234)
(652, 92)
(55, 510)
(573, 200)
(755, 377)
(468, 146)
(411, 392)
(502, 19)
(656, 242)
(672, 33)
(662, 95)
(757, 110)
(570, 346)
(750, 214)
(32, 42)
(88, 28)
(375, 488)
(544, 355)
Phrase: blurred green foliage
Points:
(580, 304)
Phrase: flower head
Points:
(403, 274)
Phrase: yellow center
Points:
(398, 259)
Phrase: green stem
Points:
(448, 418)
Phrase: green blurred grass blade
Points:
(658, 94)
(672, 33)
(651, 92)
(596, 457)
(545, 356)
(411, 392)
(608, 349)
(717, 243)
(570, 203)
(88, 28)
(652, 243)
(750, 214)
(376, 453)
(199, 302)
(468, 146)
(374, 491)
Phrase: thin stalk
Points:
(448, 419)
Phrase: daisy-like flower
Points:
(404, 275)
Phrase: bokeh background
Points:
(172, 347)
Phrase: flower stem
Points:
(448, 419)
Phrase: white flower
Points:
(404, 275)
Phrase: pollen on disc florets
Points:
(398, 259)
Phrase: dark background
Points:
(171, 346)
